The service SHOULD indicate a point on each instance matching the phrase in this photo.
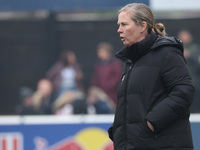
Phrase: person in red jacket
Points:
(107, 71)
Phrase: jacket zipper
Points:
(125, 110)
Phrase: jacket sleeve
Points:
(95, 77)
(177, 80)
(110, 132)
(112, 80)
(54, 71)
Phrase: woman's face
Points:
(71, 58)
(130, 33)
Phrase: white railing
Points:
(69, 119)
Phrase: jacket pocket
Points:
(140, 136)
(148, 129)
(140, 131)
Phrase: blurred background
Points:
(57, 59)
(33, 35)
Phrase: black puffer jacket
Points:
(157, 87)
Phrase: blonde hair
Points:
(141, 12)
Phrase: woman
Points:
(155, 91)
(66, 74)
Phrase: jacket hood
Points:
(168, 41)
(152, 41)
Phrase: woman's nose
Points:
(119, 30)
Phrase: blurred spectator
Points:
(99, 102)
(70, 102)
(25, 94)
(192, 55)
(66, 74)
(191, 52)
(40, 101)
(42, 97)
(107, 71)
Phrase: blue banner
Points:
(63, 133)
(56, 137)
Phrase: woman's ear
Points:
(143, 26)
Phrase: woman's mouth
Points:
(122, 38)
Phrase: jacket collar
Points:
(137, 50)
